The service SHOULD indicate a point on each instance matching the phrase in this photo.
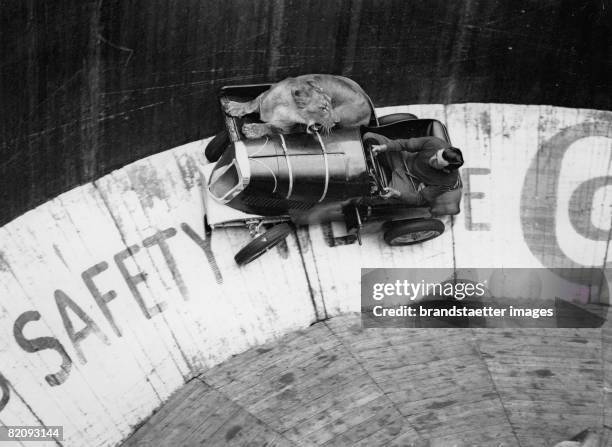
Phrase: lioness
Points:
(319, 101)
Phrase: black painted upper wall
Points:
(89, 86)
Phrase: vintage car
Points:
(267, 183)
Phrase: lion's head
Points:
(314, 106)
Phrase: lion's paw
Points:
(234, 108)
(254, 130)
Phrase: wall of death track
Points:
(88, 86)
(116, 293)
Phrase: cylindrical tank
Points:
(298, 171)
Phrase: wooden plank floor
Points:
(336, 384)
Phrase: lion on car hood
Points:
(318, 101)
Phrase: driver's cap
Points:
(452, 157)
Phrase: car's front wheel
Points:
(216, 146)
(412, 231)
(262, 243)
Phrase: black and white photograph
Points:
(285, 223)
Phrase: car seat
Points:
(445, 204)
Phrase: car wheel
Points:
(395, 117)
(262, 243)
(216, 146)
(412, 231)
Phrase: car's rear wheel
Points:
(412, 231)
(262, 243)
(395, 117)
(216, 146)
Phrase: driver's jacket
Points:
(419, 185)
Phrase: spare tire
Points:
(262, 243)
(412, 231)
(216, 146)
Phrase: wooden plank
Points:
(199, 415)
(550, 387)
(442, 387)
(607, 371)
(304, 392)
(494, 391)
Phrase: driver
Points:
(422, 168)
